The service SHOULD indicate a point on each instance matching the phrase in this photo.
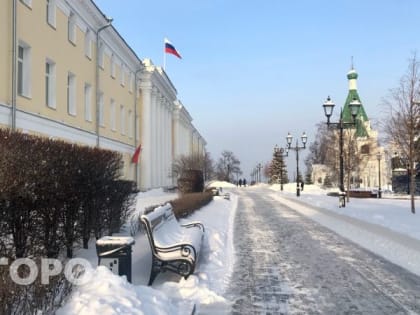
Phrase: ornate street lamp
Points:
(280, 153)
(340, 125)
(379, 157)
(297, 148)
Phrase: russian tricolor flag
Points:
(170, 49)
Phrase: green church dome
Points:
(352, 74)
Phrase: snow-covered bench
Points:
(175, 247)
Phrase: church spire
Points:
(352, 95)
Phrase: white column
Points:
(176, 135)
(164, 130)
(153, 164)
(146, 154)
(166, 141)
(159, 144)
(169, 147)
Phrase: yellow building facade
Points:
(66, 72)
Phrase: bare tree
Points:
(402, 109)
(227, 166)
(325, 150)
(201, 162)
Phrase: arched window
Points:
(365, 149)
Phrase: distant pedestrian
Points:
(240, 182)
(244, 182)
(301, 185)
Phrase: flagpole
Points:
(164, 56)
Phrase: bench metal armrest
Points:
(186, 249)
(194, 223)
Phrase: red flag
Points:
(135, 158)
(170, 49)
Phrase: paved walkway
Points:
(288, 264)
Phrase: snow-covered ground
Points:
(381, 220)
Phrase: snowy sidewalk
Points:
(383, 226)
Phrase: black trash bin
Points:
(114, 252)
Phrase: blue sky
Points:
(252, 71)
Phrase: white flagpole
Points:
(164, 56)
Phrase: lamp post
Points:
(259, 167)
(297, 148)
(279, 152)
(379, 157)
(108, 23)
(340, 125)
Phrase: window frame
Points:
(50, 84)
(130, 124)
(122, 76)
(113, 67)
(71, 94)
(88, 102)
(71, 28)
(24, 70)
(101, 110)
(88, 44)
(27, 3)
(51, 17)
(112, 118)
(122, 120)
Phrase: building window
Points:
(72, 28)
(113, 67)
(71, 94)
(88, 102)
(365, 149)
(131, 84)
(112, 116)
(101, 57)
(122, 75)
(50, 92)
(51, 20)
(27, 3)
(122, 119)
(101, 109)
(88, 44)
(137, 128)
(24, 70)
(130, 124)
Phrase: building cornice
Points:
(159, 79)
(90, 17)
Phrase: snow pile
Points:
(217, 184)
(384, 226)
(108, 293)
(388, 212)
(211, 278)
